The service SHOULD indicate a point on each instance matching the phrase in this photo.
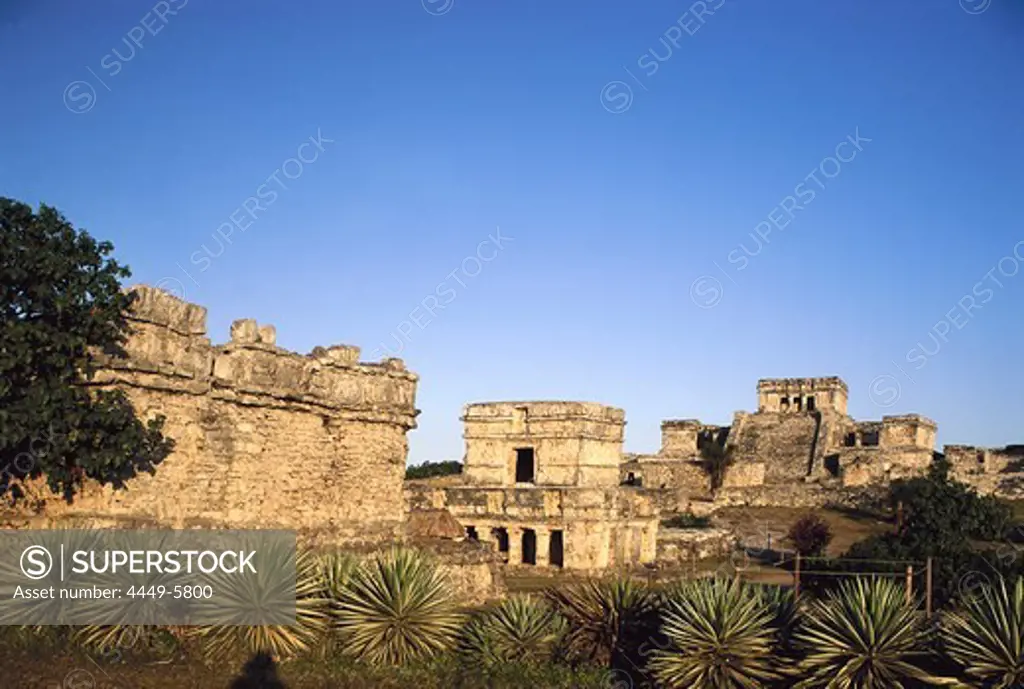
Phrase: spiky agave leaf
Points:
(864, 636)
(519, 629)
(986, 635)
(606, 617)
(336, 569)
(239, 597)
(720, 635)
(397, 608)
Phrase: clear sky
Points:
(629, 155)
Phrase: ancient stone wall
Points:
(264, 437)
(598, 528)
(990, 470)
(779, 441)
(569, 443)
(802, 394)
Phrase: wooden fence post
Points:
(796, 578)
(928, 588)
(910, 584)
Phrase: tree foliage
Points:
(715, 460)
(60, 303)
(941, 519)
(432, 469)
(810, 535)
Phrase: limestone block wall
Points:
(264, 437)
(573, 443)
(794, 394)
(990, 470)
(600, 528)
(782, 442)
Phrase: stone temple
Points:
(317, 443)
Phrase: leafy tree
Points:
(936, 507)
(942, 520)
(715, 460)
(810, 535)
(60, 303)
(432, 469)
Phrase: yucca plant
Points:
(397, 608)
(720, 635)
(986, 635)
(606, 618)
(235, 600)
(519, 629)
(865, 635)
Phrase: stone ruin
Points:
(267, 438)
(800, 448)
(263, 437)
(541, 483)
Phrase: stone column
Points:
(543, 546)
(515, 546)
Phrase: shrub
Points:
(863, 636)
(686, 520)
(520, 629)
(986, 635)
(397, 608)
(720, 634)
(810, 535)
(219, 642)
(607, 618)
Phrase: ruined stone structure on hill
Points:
(799, 447)
(541, 482)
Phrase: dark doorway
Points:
(529, 547)
(524, 465)
(471, 533)
(851, 440)
(556, 552)
(810, 403)
(501, 536)
(832, 465)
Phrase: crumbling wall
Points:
(781, 442)
(990, 470)
(264, 437)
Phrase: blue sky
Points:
(630, 154)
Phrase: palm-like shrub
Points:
(238, 597)
(864, 636)
(986, 635)
(519, 629)
(720, 635)
(607, 618)
(397, 608)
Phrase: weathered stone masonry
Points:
(541, 484)
(264, 437)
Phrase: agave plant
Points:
(236, 599)
(720, 635)
(986, 635)
(397, 608)
(519, 629)
(606, 618)
(864, 636)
